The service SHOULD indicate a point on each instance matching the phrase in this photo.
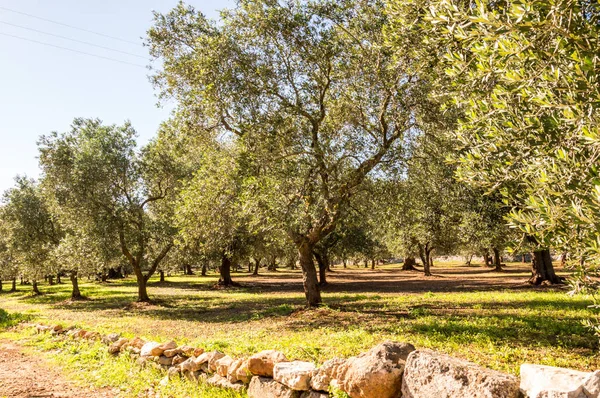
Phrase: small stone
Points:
(110, 338)
(136, 342)
(92, 336)
(296, 375)
(262, 364)
(326, 373)
(171, 345)
(115, 347)
(179, 359)
(222, 382)
(263, 387)
(165, 361)
(238, 371)
(172, 353)
(174, 371)
(151, 349)
(164, 381)
(213, 357)
(222, 365)
(314, 394)
(186, 350)
(198, 352)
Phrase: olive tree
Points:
(309, 88)
(96, 175)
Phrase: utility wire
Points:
(69, 26)
(74, 40)
(73, 50)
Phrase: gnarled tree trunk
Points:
(75, 292)
(425, 255)
(542, 269)
(14, 285)
(497, 260)
(409, 264)
(225, 271)
(322, 268)
(34, 286)
(309, 274)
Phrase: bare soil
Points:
(23, 375)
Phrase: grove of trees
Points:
(318, 131)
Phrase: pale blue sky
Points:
(43, 88)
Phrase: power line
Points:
(69, 26)
(74, 40)
(72, 50)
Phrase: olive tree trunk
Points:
(225, 271)
(34, 286)
(409, 264)
(542, 269)
(497, 260)
(14, 285)
(75, 292)
(256, 266)
(322, 268)
(309, 274)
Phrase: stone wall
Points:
(388, 370)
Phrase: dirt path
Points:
(27, 376)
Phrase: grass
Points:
(492, 319)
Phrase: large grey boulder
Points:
(263, 387)
(376, 373)
(296, 374)
(540, 381)
(430, 374)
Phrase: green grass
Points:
(499, 325)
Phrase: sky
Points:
(43, 88)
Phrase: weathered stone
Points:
(186, 350)
(539, 381)
(296, 375)
(142, 361)
(326, 373)
(198, 352)
(263, 387)
(91, 336)
(375, 373)
(314, 394)
(179, 359)
(172, 353)
(222, 382)
(591, 387)
(262, 364)
(116, 346)
(238, 371)
(137, 342)
(174, 371)
(171, 345)
(430, 374)
(189, 365)
(151, 348)
(165, 361)
(222, 365)
(213, 357)
(110, 338)
(80, 334)
(42, 328)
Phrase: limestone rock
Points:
(238, 371)
(262, 364)
(263, 387)
(375, 373)
(222, 365)
(189, 365)
(172, 353)
(110, 338)
(198, 352)
(314, 394)
(116, 346)
(91, 336)
(591, 387)
(165, 361)
(326, 373)
(179, 359)
(430, 374)
(187, 350)
(173, 372)
(137, 342)
(296, 375)
(540, 381)
(220, 381)
(171, 345)
(151, 349)
(213, 357)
